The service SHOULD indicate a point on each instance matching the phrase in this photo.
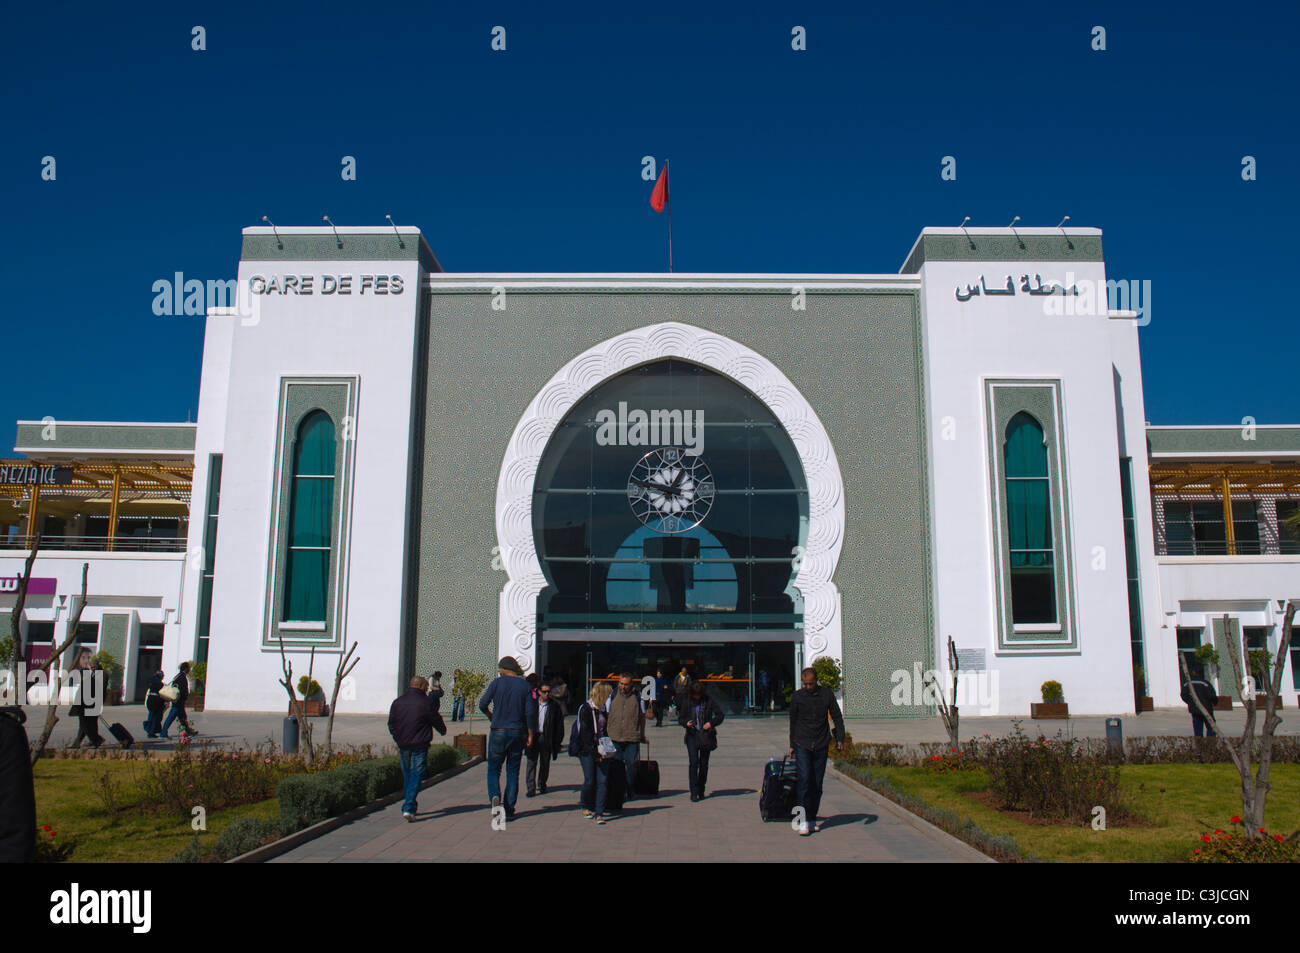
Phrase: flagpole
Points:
(668, 200)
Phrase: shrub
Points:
(1052, 692)
(828, 672)
(1222, 847)
(199, 672)
(245, 834)
(210, 776)
(308, 688)
(1055, 778)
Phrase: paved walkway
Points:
(454, 823)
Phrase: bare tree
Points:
(341, 671)
(15, 619)
(52, 711)
(947, 706)
(1254, 791)
(304, 723)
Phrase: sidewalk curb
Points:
(919, 824)
(296, 839)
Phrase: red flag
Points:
(659, 197)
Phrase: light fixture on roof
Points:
(278, 244)
(1067, 239)
(962, 226)
(1012, 226)
(400, 243)
(336, 231)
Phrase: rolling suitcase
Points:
(647, 777)
(615, 787)
(118, 731)
(776, 801)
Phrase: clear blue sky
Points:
(819, 161)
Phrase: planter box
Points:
(1146, 703)
(113, 696)
(312, 709)
(1262, 700)
(474, 745)
(194, 703)
(1223, 704)
(1049, 710)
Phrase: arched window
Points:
(306, 577)
(1029, 522)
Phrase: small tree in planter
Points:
(199, 680)
(947, 706)
(1053, 704)
(112, 676)
(472, 684)
(296, 707)
(313, 699)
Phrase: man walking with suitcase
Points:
(810, 707)
(626, 726)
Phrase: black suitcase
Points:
(780, 788)
(615, 786)
(118, 731)
(646, 779)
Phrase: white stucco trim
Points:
(514, 515)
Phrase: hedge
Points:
(308, 799)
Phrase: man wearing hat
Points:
(514, 720)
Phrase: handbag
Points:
(169, 692)
(706, 739)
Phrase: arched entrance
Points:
(670, 493)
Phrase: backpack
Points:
(573, 736)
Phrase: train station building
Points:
(605, 472)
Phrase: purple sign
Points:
(36, 586)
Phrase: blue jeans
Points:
(505, 746)
(812, 772)
(628, 751)
(152, 724)
(458, 708)
(595, 780)
(413, 763)
(1200, 727)
(177, 711)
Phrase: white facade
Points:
(976, 347)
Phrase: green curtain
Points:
(1029, 510)
(312, 503)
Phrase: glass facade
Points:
(1197, 529)
(670, 498)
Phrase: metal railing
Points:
(98, 544)
(1211, 547)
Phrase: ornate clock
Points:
(670, 491)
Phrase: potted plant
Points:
(1260, 664)
(472, 685)
(198, 686)
(112, 676)
(313, 699)
(828, 672)
(1144, 701)
(1053, 704)
(1208, 656)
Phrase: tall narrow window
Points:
(306, 578)
(1029, 519)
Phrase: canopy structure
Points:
(69, 490)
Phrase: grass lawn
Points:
(67, 802)
(1172, 799)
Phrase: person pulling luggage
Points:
(810, 744)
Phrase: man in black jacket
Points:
(547, 741)
(1206, 693)
(810, 708)
(17, 792)
(412, 719)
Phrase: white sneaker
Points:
(409, 817)
(804, 829)
(818, 826)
